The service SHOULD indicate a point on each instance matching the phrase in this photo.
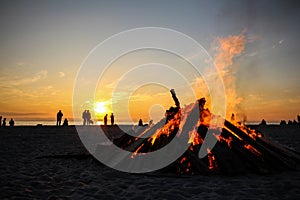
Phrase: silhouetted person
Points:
(4, 122)
(232, 117)
(112, 118)
(282, 122)
(150, 122)
(263, 122)
(140, 122)
(0, 120)
(84, 117)
(66, 123)
(290, 122)
(58, 118)
(11, 122)
(105, 119)
(88, 117)
(298, 118)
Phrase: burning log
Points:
(238, 149)
(276, 157)
(160, 137)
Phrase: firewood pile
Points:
(238, 149)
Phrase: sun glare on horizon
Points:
(100, 108)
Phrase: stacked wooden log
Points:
(237, 150)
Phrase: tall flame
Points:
(227, 49)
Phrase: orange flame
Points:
(226, 49)
(212, 162)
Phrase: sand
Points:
(51, 163)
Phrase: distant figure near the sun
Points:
(263, 122)
(58, 118)
(11, 122)
(105, 119)
(140, 122)
(88, 118)
(84, 117)
(66, 122)
(112, 118)
(232, 117)
(4, 122)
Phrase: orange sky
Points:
(39, 95)
(43, 45)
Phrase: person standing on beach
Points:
(0, 120)
(66, 122)
(112, 118)
(88, 117)
(84, 117)
(105, 119)
(140, 122)
(4, 122)
(11, 122)
(58, 118)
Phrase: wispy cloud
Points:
(21, 114)
(295, 100)
(17, 80)
(256, 97)
(61, 74)
(253, 38)
(252, 54)
(280, 41)
(277, 44)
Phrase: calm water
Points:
(53, 123)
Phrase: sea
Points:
(53, 123)
(71, 122)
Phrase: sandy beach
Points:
(51, 163)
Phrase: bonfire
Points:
(238, 149)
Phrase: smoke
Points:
(226, 49)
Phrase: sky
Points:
(254, 43)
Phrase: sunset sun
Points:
(100, 108)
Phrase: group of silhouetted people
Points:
(112, 119)
(86, 116)
(3, 122)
